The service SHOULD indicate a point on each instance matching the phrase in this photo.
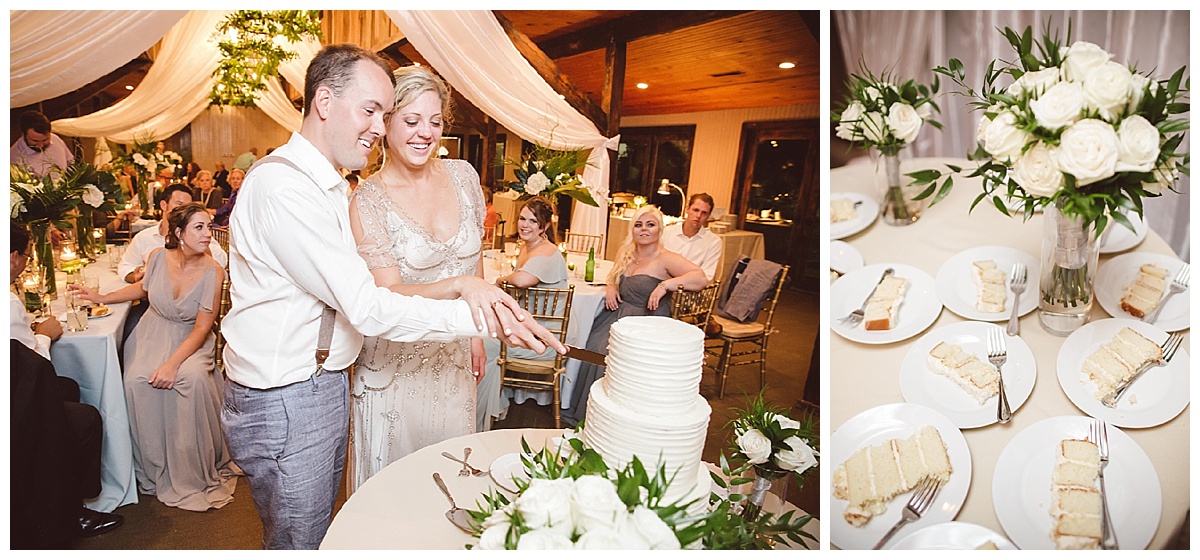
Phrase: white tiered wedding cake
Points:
(648, 404)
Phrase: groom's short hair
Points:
(333, 67)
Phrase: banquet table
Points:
(735, 243)
(90, 358)
(865, 376)
(401, 507)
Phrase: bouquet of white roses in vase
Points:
(774, 445)
(884, 116)
(1079, 135)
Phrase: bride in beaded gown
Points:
(418, 222)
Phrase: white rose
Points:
(981, 130)
(873, 127)
(1034, 82)
(1088, 150)
(1003, 139)
(785, 422)
(595, 503)
(1138, 145)
(139, 159)
(924, 110)
(494, 536)
(93, 196)
(800, 458)
(1137, 90)
(652, 529)
(1081, 58)
(1059, 106)
(872, 94)
(1037, 171)
(904, 122)
(848, 125)
(1106, 89)
(1164, 176)
(604, 538)
(546, 503)
(544, 539)
(15, 204)
(536, 183)
(755, 446)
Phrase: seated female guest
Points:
(640, 283)
(206, 192)
(540, 265)
(179, 451)
(221, 218)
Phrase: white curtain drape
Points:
(471, 50)
(174, 91)
(914, 42)
(52, 53)
(275, 102)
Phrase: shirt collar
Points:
(304, 154)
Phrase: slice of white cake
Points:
(1115, 361)
(883, 308)
(990, 286)
(978, 378)
(872, 476)
(1075, 498)
(1143, 294)
(842, 210)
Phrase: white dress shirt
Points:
(149, 239)
(18, 328)
(704, 248)
(291, 253)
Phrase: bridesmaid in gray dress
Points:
(174, 404)
(640, 283)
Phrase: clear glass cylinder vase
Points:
(1070, 252)
(897, 207)
(765, 479)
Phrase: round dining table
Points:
(867, 376)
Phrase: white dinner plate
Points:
(506, 469)
(957, 289)
(1021, 484)
(919, 308)
(865, 214)
(953, 535)
(921, 385)
(1160, 395)
(1118, 238)
(891, 421)
(844, 258)
(1121, 270)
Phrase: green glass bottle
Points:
(589, 273)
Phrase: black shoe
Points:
(95, 523)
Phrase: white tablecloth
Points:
(141, 224)
(865, 376)
(90, 358)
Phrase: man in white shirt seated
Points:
(37, 337)
(691, 237)
(133, 264)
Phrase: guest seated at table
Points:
(205, 191)
(640, 283)
(174, 404)
(39, 336)
(540, 265)
(235, 182)
(221, 179)
(132, 265)
(691, 237)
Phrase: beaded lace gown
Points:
(407, 395)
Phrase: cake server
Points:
(584, 355)
(458, 516)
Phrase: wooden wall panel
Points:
(224, 134)
(370, 29)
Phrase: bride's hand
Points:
(478, 359)
(482, 296)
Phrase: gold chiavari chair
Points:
(222, 309)
(221, 234)
(756, 334)
(551, 307)
(582, 242)
(695, 308)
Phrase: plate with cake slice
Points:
(1130, 286)
(947, 370)
(843, 258)
(1054, 452)
(904, 304)
(954, 535)
(974, 283)
(1097, 356)
(880, 456)
(1117, 238)
(850, 213)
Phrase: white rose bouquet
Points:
(549, 173)
(879, 114)
(147, 161)
(1074, 129)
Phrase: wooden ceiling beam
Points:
(549, 71)
(629, 28)
(65, 106)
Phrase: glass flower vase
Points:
(766, 475)
(1070, 252)
(897, 206)
(43, 255)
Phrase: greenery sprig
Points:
(252, 45)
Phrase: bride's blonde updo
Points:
(629, 249)
(411, 82)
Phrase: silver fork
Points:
(1016, 283)
(997, 355)
(918, 504)
(1099, 436)
(1168, 350)
(855, 317)
(1178, 284)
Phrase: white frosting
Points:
(648, 404)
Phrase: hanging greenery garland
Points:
(253, 44)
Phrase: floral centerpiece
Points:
(884, 116)
(148, 159)
(550, 173)
(1079, 135)
(773, 444)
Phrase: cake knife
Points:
(584, 355)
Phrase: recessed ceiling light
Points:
(130, 88)
(642, 85)
(787, 65)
